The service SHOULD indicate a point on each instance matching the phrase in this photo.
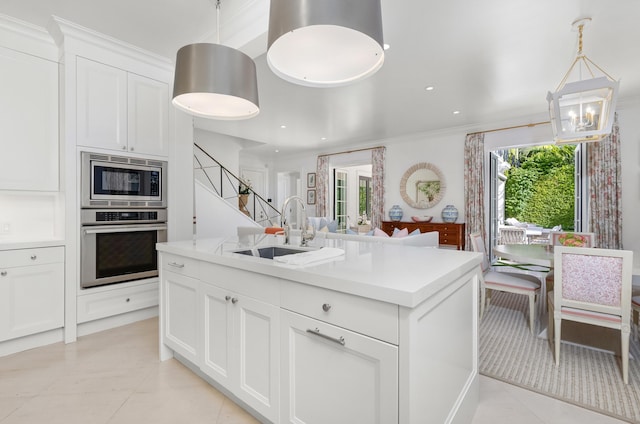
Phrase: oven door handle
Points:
(123, 229)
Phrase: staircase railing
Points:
(233, 189)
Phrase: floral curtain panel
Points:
(322, 186)
(474, 186)
(605, 189)
(377, 171)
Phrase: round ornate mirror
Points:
(422, 186)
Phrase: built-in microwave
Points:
(122, 182)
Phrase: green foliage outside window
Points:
(540, 186)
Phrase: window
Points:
(541, 185)
(340, 198)
(364, 195)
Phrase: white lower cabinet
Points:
(31, 291)
(181, 314)
(241, 347)
(333, 375)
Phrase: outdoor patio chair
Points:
(513, 235)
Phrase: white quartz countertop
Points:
(11, 245)
(403, 275)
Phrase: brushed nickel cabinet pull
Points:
(317, 332)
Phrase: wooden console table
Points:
(450, 233)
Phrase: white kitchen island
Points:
(383, 334)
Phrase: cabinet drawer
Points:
(26, 257)
(117, 301)
(264, 288)
(180, 265)
(366, 316)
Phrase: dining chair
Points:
(574, 239)
(592, 286)
(635, 307)
(527, 285)
(513, 235)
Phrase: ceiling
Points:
(491, 60)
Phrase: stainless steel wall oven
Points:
(119, 246)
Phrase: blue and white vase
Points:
(449, 214)
(395, 213)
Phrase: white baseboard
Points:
(116, 321)
(21, 344)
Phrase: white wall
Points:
(225, 149)
(215, 216)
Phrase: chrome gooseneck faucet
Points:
(285, 225)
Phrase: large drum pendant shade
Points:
(215, 81)
(325, 43)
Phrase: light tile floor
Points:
(115, 377)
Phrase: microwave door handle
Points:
(102, 230)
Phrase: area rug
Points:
(585, 377)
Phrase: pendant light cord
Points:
(218, 21)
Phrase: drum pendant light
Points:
(583, 110)
(325, 43)
(215, 81)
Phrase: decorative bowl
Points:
(425, 218)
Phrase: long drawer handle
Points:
(317, 332)
(176, 265)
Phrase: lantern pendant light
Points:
(215, 81)
(325, 43)
(583, 110)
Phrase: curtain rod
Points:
(350, 151)
(511, 128)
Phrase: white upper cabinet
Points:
(101, 105)
(29, 122)
(148, 115)
(119, 110)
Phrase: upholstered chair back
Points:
(477, 244)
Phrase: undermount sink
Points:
(273, 251)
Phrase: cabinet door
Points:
(29, 122)
(332, 375)
(217, 331)
(181, 312)
(257, 340)
(148, 115)
(31, 300)
(101, 105)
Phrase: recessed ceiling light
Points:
(386, 46)
(277, 151)
(429, 88)
(456, 112)
(283, 126)
(323, 138)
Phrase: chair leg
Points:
(550, 323)
(625, 353)
(532, 311)
(557, 321)
(483, 295)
